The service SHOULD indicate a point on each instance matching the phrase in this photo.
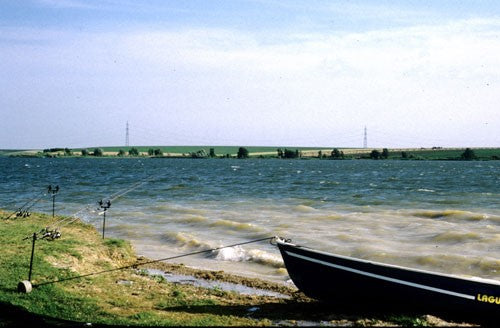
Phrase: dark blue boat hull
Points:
(358, 283)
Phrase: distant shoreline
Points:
(203, 152)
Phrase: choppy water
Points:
(440, 216)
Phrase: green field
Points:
(448, 154)
(219, 150)
(7, 152)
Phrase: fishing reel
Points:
(104, 205)
(50, 234)
(53, 190)
(23, 214)
(46, 234)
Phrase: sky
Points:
(249, 73)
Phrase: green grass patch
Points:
(454, 154)
(445, 154)
(115, 243)
(410, 321)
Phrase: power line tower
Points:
(127, 136)
(365, 139)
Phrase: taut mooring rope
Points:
(150, 262)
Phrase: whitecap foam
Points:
(233, 254)
(262, 257)
(239, 254)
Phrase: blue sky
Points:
(249, 72)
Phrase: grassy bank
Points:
(125, 297)
(131, 297)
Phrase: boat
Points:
(357, 283)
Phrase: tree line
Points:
(282, 153)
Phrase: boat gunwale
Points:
(391, 266)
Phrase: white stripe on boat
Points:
(377, 276)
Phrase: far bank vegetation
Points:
(204, 152)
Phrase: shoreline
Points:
(206, 274)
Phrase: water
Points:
(214, 284)
(433, 215)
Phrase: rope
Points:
(150, 262)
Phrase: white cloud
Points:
(429, 48)
(423, 81)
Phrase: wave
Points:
(232, 254)
(186, 240)
(328, 217)
(237, 225)
(455, 264)
(132, 214)
(177, 209)
(334, 183)
(177, 187)
(456, 237)
(221, 223)
(191, 219)
(132, 231)
(239, 254)
(455, 214)
(304, 209)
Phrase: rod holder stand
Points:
(25, 285)
(104, 206)
(53, 191)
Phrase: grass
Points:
(451, 154)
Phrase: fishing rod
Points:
(24, 209)
(90, 208)
(132, 188)
(51, 233)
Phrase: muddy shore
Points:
(293, 308)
